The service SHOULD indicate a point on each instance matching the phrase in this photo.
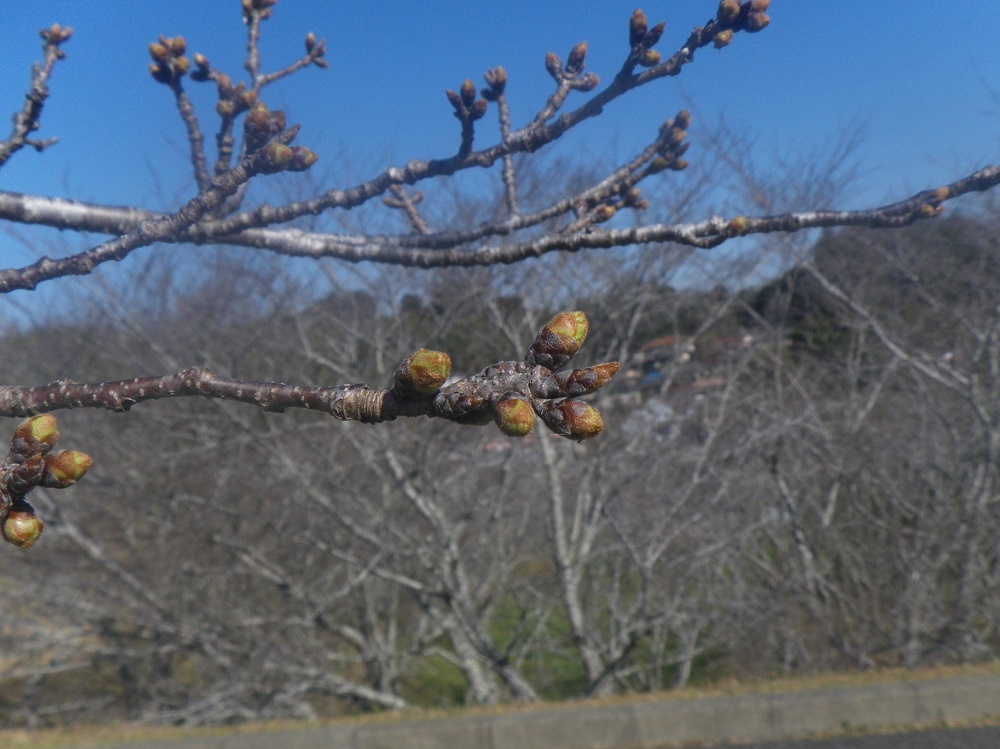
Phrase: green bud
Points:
(274, 157)
(570, 418)
(64, 468)
(736, 226)
(35, 434)
(421, 373)
(558, 341)
(21, 526)
(649, 58)
(302, 159)
(587, 380)
(513, 415)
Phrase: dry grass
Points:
(112, 735)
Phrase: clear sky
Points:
(918, 73)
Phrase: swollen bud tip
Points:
(65, 468)
(21, 526)
(558, 341)
(421, 373)
(513, 415)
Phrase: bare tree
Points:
(421, 543)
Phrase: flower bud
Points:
(729, 11)
(35, 434)
(722, 39)
(180, 66)
(756, 21)
(302, 159)
(736, 226)
(421, 373)
(21, 526)
(553, 65)
(558, 341)
(759, 6)
(310, 42)
(274, 157)
(225, 108)
(570, 418)
(160, 73)
(587, 82)
(587, 380)
(653, 35)
(939, 195)
(158, 52)
(64, 468)
(177, 45)
(649, 58)
(496, 79)
(478, 109)
(454, 99)
(200, 60)
(683, 119)
(513, 415)
(636, 28)
(603, 213)
(468, 92)
(225, 86)
(246, 99)
(577, 55)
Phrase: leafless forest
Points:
(791, 468)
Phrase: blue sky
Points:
(918, 73)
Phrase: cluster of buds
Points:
(31, 463)
(671, 144)
(267, 138)
(55, 35)
(642, 39)
(496, 81)
(169, 64)
(260, 9)
(572, 73)
(512, 394)
(315, 49)
(735, 16)
(233, 100)
(467, 107)
(934, 198)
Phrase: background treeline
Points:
(797, 474)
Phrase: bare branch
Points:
(26, 121)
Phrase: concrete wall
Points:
(646, 724)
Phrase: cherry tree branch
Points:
(507, 392)
(27, 120)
